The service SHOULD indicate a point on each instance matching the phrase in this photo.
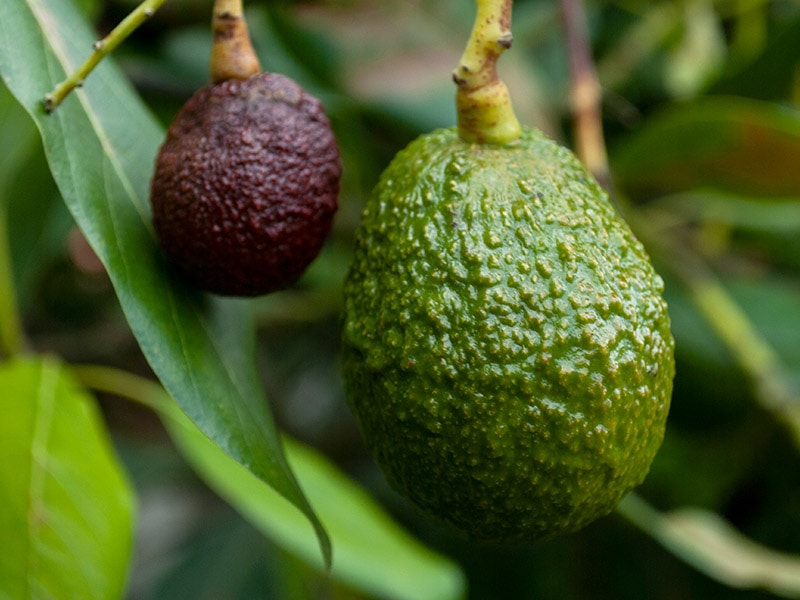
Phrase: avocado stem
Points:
(232, 56)
(101, 49)
(485, 114)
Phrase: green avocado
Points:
(506, 347)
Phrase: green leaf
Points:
(770, 301)
(732, 144)
(711, 545)
(774, 215)
(66, 521)
(751, 321)
(101, 145)
(17, 138)
(771, 73)
(373, 553)
(700, 54)
(37, 220)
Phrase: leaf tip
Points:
(325, 546)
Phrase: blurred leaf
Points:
(700, 54)
(404, 78)
(710, 462)
(223, 559)
(756, 320)
(764, 230)
(372, 553)
(741, 212)
(759, 324)
(311, 47)
(710, 544)
(635, 46)
(17, 135)
(732, 144)
(772, 72)
(66, 522)
(101, 144)
(37, 220)
(11, 339)
(90, 7)
(773, 304)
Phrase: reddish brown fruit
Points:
(246, 185)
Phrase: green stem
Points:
(232, 56)
(485, 114)
(139, 15)
(123, 384)
(639, 512)
(11, 338)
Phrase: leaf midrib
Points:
(109, 149)
(39, 454)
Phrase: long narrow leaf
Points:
(101, 145)
(733, 144)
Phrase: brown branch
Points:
(585, 94)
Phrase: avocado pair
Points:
(506, 347)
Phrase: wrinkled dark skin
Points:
(246, 185)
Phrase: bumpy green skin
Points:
(507, 351)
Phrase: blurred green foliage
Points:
(702, 122)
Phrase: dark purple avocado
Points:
(246, 185)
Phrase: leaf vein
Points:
(110, 149)
(43, 421)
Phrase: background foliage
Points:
(703, 128)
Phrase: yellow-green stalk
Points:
(485, 114)
(232, 56)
